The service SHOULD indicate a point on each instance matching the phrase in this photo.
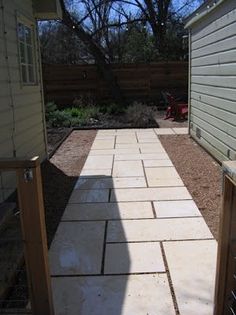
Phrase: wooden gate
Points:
(225, 293)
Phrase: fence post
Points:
(35, 240)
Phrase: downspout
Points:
(189, 78)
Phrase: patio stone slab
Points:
(98, 162)
(95, 173)
(157, 230)
(113, 295)
(157, 163)
(126, 139)
(127, 168)
(133, 258)
(180, 208)
(163, 176)
(154, 146)
(192, 267)
(77, 248)
(150, 194)
(164, 131)
(138, 157)
(148, 140)
(114, 151)
(95, 195)
(152, 149)
(102, 183)
(103, 144)
(108, 211)
(180, 131)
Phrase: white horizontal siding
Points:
(21, 120)
(213, 81)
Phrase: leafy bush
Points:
(140, 114)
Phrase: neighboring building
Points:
(22, 122)
(212, 77)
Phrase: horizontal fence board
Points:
(64, 83)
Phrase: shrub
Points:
(140, 114)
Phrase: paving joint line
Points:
(176, 307)
(104, 248)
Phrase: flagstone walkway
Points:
(131, 240)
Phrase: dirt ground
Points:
(200, 173)
(168, 123)
(60, 173)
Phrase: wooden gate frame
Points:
(229, 184)
(32, 216)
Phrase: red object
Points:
(176, 110)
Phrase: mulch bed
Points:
(200, 173)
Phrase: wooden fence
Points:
(64, 83)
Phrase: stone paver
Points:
(180, 208)
(77, 248)
(113, 295)
(127, 168)
(153, 194)
(133, 258)
(193, 283)
(130, 231)
(108, 211)
(102, 183)
(163, 176)
(157, 230)
(96, 195)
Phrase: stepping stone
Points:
(138, 157)
(77, 248)
(149, 194)
(157, 163)
(126, 139)
(127, 168)
(83, 196)
(157, 230)
(113, 295)
(103, 144)
(180, 208)
(101, 183)
(108, 211)
(151, 148)
(164, 131)
(180, 131)
(98, 162)
(114, 151)
(127, 258)
(192, 267)
(148, 140)
(96, 173)
(163, 176)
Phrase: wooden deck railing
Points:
(30, 197)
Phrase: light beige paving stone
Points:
(127, 168)
(157, 163)
(164, 131)
(113, 295)
(95, 195)
(126, 139)
(155, 147)
(104, 137)
(77, 248)
(180, 208)
(103, 144)
(157, 230)
(98, 162)
(114, 151)
(192, 270)
(152, 149)
(138, 157)
(108, 211)
(133, 258)
(148, 140)
(163, 176)
(105, 132)
(180, 131)
(103, 183)
(95, 173)
(150, 194)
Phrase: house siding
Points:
(213, 81)
(22, 125)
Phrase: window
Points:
(26, 51)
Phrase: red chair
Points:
(176, 110)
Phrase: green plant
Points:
(140, 114)
(50, 108)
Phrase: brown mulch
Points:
(200, 173)
(60, 173)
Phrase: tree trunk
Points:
(100, 59)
